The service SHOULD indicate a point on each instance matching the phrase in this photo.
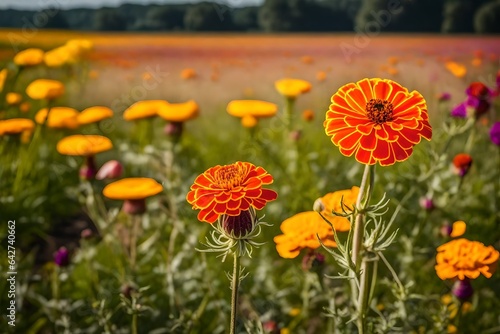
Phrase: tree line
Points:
(447, 16)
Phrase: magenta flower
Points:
(495, 133)
(61, 257)
(445, 96)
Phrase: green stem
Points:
(359, 222)
(134, 323)
(234, 292)
(305, 295)
(470, 140)
(361, 266)
(289, 106)
(363, 295)
(133, 240)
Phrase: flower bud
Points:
(88, 170)
(312, 260)
(173, 129)
(134, 206)
(86, 234)
(426, 203)
(462, 289)
(127, 289)
(239, 227)
(271, 327)
(112, 169)
(295, 135)
(445, 96)
(318, 205)
(61, 257)
(446, 230)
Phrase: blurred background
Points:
(445, 16)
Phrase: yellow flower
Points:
(132, 188)
(461, 258)
(45, 89)
(59, 117)
(13, 98)
(291, 88)
(16, 126)
(29, 57)
(179, 112)
(3, 77)
(144, 109)
(134, 192)
(94, 115)
(458, 229)
(79, 47)
(83, 145)
(58, 57)
(251, 110)
(331, 202)
(302, 231)
(249, 121)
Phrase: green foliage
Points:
(487, 18)
(109, 19)
(301, 15)
(206, 16)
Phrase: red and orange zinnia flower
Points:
(377, 120)
(230, 189)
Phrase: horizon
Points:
(72, 4)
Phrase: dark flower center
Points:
(228, 177)
(379, 111)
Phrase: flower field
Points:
(157, 183)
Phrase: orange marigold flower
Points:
(301, 231)
(461, 258)
(230, 189)
(338, 202)
(456, 69)
(307, 59)
(321, 76)
(188, 73)
(308, 115)
(377, 120)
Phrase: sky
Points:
(39, 4)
